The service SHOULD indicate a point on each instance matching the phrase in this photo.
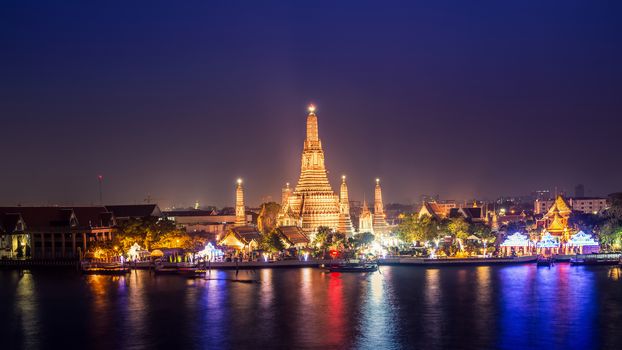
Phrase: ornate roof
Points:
(557, 224)
(561, 206)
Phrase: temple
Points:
(380, 224)
(345, 222)
(556, 219)
(366, 220)
(240, 214)
(312, 203)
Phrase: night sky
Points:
(175, 100)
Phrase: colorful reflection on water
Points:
(512, 307)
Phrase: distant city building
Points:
(583, 204)
(615, 199)
(579, 191)
(542, 194)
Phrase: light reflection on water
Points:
(26, 306)
(510, 307)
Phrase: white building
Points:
(591, 205)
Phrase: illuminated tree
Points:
(418, 229)
(365, 238)
(267, 219)
(459, 229)
(271, 242)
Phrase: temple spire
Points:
(313, 137)
(378, 207)
(240, 214)
(312, 203)
(366, 221)
(380, 225)
(345, 222)
(285, 195)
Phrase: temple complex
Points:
(312, 203)
(345, 222)
(380, 224)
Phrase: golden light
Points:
(343, 177)
(311, 108)
(377, 180)
(239, 181)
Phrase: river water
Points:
(497, 307)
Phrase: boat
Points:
(99, 268)
(544, 261)
(186, 270)
(352, 267)
(596, 259)
(191, 272)
(435, 262)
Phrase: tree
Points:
(418, 229)
(321, 237)
(365, 238)
(586, 221)
(459, 229)
(610, 234)
(268, 216)
(150, 232)
(271, 242)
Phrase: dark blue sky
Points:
(177, 99)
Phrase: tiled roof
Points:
(10, 223)
(47, 217)
(93, 216)
(134, 211)
(294, 234)
(42, 217)
(246, 233)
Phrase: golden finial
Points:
(311, 108)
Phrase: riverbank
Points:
(407, 261)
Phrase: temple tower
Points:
(285, 193)
(366, 221)
(313, 200)
(240, 213)
(380, 225)
(345, 222)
